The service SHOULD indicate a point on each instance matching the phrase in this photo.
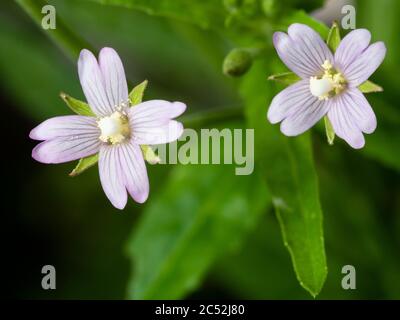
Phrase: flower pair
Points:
(118, 131)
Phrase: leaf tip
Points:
(314, 291)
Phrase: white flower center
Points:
(114, 128)
(330, 84)
(320, 87)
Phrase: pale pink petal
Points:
(365, 64)
(351, 47)
(93, 84)
(64, 126)
(297, 107)
(122, 168)
(302, 50)
(289, 100)
(134, 171)
(304, 117)
(169, 132)
(67, 148)
(111, 176)
(360, 110)
(151, 121)
(114, 76)
(344, 123)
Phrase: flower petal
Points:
(93, 84)
(352, 46)
(302, 50)
(288, 100)
(360, 110)
(297, 107)
(68, 148)
(304, 116)
(64, 126)
(158, 135)
(365, 64)
(151, 121)
(134, 171)
(343, 121)
(122, 168)
(111, 176)
(114, 76)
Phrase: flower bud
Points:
(237, 62)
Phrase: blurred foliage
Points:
(184, 229)
(204, 232)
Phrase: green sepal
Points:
(333, 42)
(84, 164)
(330, 133)
(369, 87)
(77, 106)
(136, 95)
(334, 38)
(286, 78)
(149, 154)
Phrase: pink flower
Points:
(116, 132)
(329, 83)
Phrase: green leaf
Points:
(252, 272)
(202, 213)
(330, 133)
(370, 87)
(136, 95)
(205, 13)
(334, 38)
(289, 171)
(286, 78)
(84, 164)
(77, 106)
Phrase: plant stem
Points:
(62, 36)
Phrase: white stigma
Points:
(114, 128)
(320, 87)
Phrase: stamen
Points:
(115, 128)
(330, 84)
